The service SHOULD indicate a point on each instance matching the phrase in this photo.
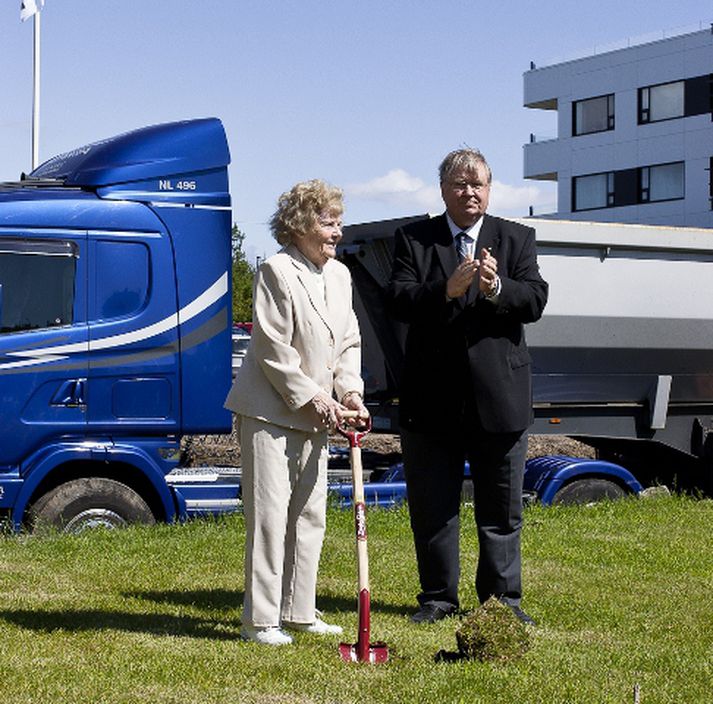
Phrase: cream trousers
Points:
(284, 486)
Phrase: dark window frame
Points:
(610, 196)
(610, 114)
(644, 113)
(626, 187)
(644, 191)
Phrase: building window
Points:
(648, 184)
(594, 191)
(593, 115)
(661, 182)
(662, 102)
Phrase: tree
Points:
(243, 275)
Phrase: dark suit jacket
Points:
(468, 347)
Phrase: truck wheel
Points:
(93, 502)
(588, 491)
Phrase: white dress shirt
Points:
(473, 231)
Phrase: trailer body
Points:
(622, 357)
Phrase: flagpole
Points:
(36, 95)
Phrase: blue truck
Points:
(115, 328)
(115, 341)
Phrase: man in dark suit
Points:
(466, 283)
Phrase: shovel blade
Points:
(375, 653)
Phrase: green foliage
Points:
(243, 275)
(492, 632)
(620, 592)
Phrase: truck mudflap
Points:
(10, 487)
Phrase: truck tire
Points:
(588, 491)
(93, 502)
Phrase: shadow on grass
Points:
(222, 599)
(216, 599)
(331, 603)
(77, 621)
(85, 620)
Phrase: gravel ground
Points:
(224, 450)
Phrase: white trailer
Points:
(623, 356)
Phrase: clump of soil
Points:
(492, 632)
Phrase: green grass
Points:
(623, 593)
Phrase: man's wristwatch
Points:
(495, 290)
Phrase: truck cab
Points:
(115, 322)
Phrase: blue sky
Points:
(367, 94)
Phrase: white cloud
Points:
(516, 200)
(411, 194)
(398, 188)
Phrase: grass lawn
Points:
(622, 592)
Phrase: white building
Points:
(634, 133)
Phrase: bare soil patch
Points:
(224, 450)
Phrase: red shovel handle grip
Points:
(354, 435)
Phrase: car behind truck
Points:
(115, 328)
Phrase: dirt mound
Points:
(224, 450)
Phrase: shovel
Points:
(362, 650)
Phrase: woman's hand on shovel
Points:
(332, 414)
(353, 411)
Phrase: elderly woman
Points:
(305, 348)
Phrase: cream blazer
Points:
(299, 344)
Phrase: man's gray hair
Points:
(466, 160)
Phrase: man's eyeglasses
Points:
(463, 186)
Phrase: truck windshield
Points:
(36, 284)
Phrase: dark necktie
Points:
(463, 243)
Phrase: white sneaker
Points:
(272, 635)
(321, 628)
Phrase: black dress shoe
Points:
(430, 613)
(521, 615)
